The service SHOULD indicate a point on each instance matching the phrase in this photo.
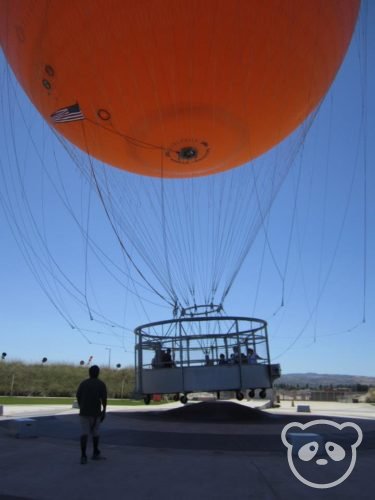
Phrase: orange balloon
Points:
(177, 88)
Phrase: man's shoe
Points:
(83, 460)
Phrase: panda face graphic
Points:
(321, 453)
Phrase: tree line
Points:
(324, 387)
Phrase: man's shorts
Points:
(89, 425)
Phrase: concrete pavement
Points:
(170, 452)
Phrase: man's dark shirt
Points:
(91, 396)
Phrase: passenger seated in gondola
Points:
(156, 361)
(222, 360)
(235, 357)
(207, 360)
(167, 359)
(252, 356)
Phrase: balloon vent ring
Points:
(188, 154)
(186, 151)
(198, 310)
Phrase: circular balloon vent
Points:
(188, 154)
(186, 151)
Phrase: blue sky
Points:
(315, 253)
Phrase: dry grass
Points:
(59, 380)
(371, 396)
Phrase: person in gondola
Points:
(156, 361)
(207, 360)
(252, 356)
(235, 356)
(222, 360)
(167, 359)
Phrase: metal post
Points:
(109, 356)
(12, 384)
(267, 346)
(140, 361)
(122, 387)
(239, 355)
(268, 356)
(181, 356)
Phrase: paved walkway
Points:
(173, 452)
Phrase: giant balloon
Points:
(176, 88)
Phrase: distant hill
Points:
(316, 379)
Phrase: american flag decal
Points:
(68, 114)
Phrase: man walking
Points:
(92, 401)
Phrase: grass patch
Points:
(56, 384)
(19, 400)
(59, 380)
